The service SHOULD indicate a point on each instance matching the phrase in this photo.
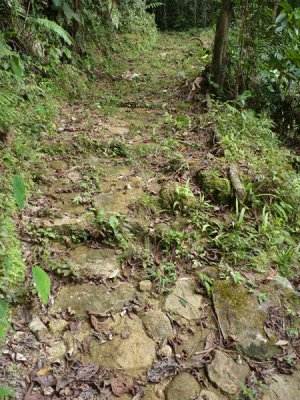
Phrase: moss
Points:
(214, 184)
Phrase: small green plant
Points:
(78, 200)
(248, 393)
(114, 228)
(262, 297)
(6, 393)
(164, 274)
(207, 282)
(292, 331)
(236, 277)
(289, 360)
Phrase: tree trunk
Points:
(220, 46)
(275, 9)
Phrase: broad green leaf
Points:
(3, 309)
(19, 191)
(183, 302)
(42, 283)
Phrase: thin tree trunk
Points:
(275, 9)
(165, 15)
(241, 51)
(220, 46)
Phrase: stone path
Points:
(129, 338)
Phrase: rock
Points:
(114, 197)
(84, 298)
(183, 387)
(123, 397)
(192, 343)
(94, 263)
(66, 224)
(149, 394)
(158, 325)
(208, 395)
(57, 352)
(134, 353)
(145, 286)
(279, 282)
(58, 325)
(36, 325)
(165, 351)
(227, 374)
(240, 314)
(283, 387)
(58, 164)
(184, 301)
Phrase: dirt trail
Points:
(127, 318)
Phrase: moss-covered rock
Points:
(240, 314)
(214, 184)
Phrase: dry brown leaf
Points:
(44, 371)
(282, 343)
(121, 385)
(95, 323)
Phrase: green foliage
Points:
(164, 274)
(114, 229)
(4, 324)
(53, 27)
(6, 393)
(19, 191)
(42, 283)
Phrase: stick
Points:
(236, 183)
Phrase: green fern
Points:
(53, 27)
(6, 393)
(153, 5)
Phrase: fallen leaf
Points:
(95, 323)
(46, 380)
(163, 369)
(36, 396)
(282, 343)
(209, 343)
(44, 371)
(121, 385)
(138, 396)
(87, 372)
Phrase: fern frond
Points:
(53, 27)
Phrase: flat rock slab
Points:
(208, 395)
(84, 298)
(227, 374)
(116, 198)
(158, 325)
(183, 301)
(96, 263)
(283, 387)
(58, 165)
(66, 223)
(240, 314)
(130, 348)
(183, 387)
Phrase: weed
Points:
(207, 282)
(262, 297)
(114, 229)
(164, 274)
